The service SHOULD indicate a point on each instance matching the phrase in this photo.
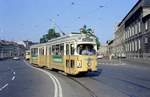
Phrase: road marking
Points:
(13, 77)
(14, 73)
(57, 85)
(3, 87)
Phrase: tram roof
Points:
(71, 36)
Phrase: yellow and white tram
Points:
(67, 53)
(27, 54)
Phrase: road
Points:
(19, 80)
(114, 79)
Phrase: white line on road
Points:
(13, 77)
(3, 87)
(14, 73)
(57, 85)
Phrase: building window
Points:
(129, 32)
(125, 47)
(145, 40)
(139, 43)
(135, 28)
(132, 30)
(132, 45)
(136, 46)
(139, 26)
(128, 47)
(126, 34)
(146, 25)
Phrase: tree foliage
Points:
(50, 35)
(89, 31)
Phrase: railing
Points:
(146, 56)
(138, 56)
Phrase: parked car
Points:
(16, 58)
(100, 56)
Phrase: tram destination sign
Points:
(87, 39)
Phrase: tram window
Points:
(41, 51)
(86, 49)
(72, 63)
(67, 49)
(72, 49)
(57, 50)
(34, 52)
(62, 49)
(67, 63)
(49, 50)
(53, 50)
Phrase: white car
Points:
(16, 58)
(100, 56)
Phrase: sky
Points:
(30, 19)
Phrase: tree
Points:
(89, 31)
(50, 35)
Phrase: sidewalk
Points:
(135, 62)
(139, 62)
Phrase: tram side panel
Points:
(57, 57)
(42, 56)
(34, 56)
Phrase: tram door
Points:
(69, 58)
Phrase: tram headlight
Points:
(79, 65)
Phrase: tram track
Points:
(92, 94)
(121, 90)
(129, 95)
(73, 78)
(124, 80)
(121, 80)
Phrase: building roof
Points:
(125, 18)
(140, 3)
(5, 42)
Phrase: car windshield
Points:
(86, 49)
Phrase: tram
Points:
(27, 54)
(65, 54)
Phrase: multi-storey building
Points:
(119, 45)
(10, 49)
(133, 34)
(28, 43)
(103, 50)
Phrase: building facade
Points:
(119, 44)
(132, 36)
(28, 43)
(10, 49)
(103, 50)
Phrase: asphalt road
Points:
(119, 80)
(19, 80)
(111, 80)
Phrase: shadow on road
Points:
(89, 74)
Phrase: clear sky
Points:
(30, 19)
